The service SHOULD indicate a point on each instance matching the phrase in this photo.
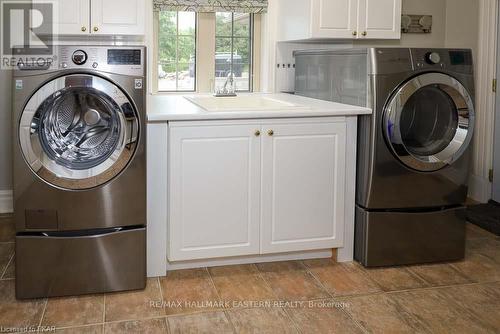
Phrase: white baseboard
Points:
(479, 188)
(327, 253)
(6, 201)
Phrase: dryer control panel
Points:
(459, 60)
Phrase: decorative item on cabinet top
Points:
(209, 6)
(419, 24)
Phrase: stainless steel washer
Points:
(80, 172)
(413, 151)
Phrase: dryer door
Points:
(78, 131)
(429, 121)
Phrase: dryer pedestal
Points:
(387, 238)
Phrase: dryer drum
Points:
(429, 121)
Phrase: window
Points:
(177, 51)
(197, 52)
(233, 49)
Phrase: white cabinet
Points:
(72, 17)
(118, 17)
(303, 182)
(255, 187)
(379, 19)
(339, 19)
(336, 18)
(214, 191)
(100, 17)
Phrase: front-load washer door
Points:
(429, 121)
(78, 131)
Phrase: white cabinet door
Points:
(72, 17)
(118, 17)
(334, 18)
(214, 191)
(303, 185)
(379, 19)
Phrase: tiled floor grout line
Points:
(79, 326)
(440, 287)
(220, 299)
(43, 312)
(104, 308)
(409, 314)
(263, 279)
(289, 316)
(292, 319)
(162, 301)
(471, 313)
(213, 283)
(316, 279)
(420, 277)
(334, 298)
(7, 266)
(452, 267)
(135, 319)
(350, 316)
(228, 317)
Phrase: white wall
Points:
(462, 24)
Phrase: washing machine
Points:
(413, 151)
(80, 172)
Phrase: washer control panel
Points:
(79, 57)
(125, 60)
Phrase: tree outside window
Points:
(233, 49)
(177, 51)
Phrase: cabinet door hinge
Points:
(494, 86)
(490, 175)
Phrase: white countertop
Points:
(164, 108)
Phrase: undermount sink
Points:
(240, 103)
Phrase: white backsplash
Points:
(285, 62)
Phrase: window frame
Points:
(205, 75)
(157, 49)
(251, 41)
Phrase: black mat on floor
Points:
(486, 216)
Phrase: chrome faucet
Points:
(224, 91)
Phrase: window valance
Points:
(241, 6)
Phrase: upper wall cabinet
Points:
(118, 17)
(379, 19)
(100, 17)
(339, 19)
(72, 17)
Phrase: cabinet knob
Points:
(364, 33)
(355, 33)
(84, 28)
(96, 29)
(257, 133)
(270, 132)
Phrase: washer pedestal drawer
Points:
(82, 262)
(384, 238)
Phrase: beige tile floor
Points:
(314, 296)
